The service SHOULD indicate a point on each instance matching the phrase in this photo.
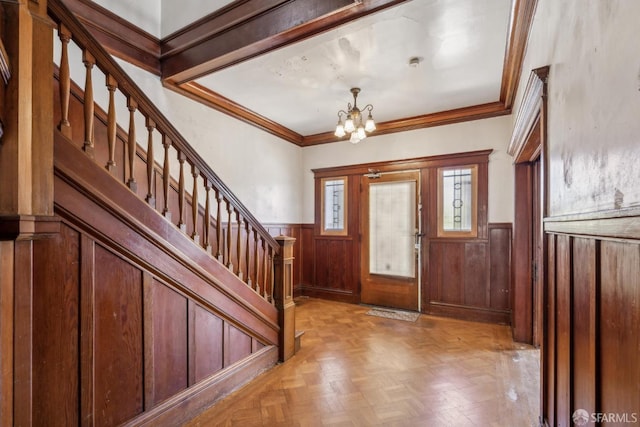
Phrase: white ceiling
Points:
(302, 86)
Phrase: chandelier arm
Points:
(368, 107)
(340, 112)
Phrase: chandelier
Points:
(354, 123)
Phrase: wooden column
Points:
(26, 199)
(283, 296)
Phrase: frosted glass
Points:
(456, 200)
(334, 204)
(392, 227)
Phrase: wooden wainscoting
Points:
(133, 322)
(470, 279)
(590, 352)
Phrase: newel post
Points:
(283, 297)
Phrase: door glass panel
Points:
(392, 227)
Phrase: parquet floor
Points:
(359, 370)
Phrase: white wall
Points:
(261, 169)
(146, 14)
(162, 17)
(469, 136)
(594, 101)
(178, 14)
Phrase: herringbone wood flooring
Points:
(359, 370)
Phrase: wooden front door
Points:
(390, 240)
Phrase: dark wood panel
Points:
(118, 393)
(583, 318)
(451, 267)
(169, 318)
(56, 295)
(334, 269)
(207, 346)
(306, 265)
(499, 266)
(475, 283)
(237, 345)
(548, 362)
(563, 324)
(589, 354)
(619, 328)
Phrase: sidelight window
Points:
(457, 201)
(334, 206)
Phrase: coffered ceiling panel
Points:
(460, 45)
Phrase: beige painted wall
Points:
(469, 136)
(261, 169)
(594, 101)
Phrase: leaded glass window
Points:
(457, 204)
(334, 206)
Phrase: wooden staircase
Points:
(157, 292)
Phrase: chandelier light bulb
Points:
(355, 125)
(348, 124)
(370, 126)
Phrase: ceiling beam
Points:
(118, 36)
(250, 28)
(117, 41)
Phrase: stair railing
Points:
(250, 246)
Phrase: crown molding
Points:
(520, 21)
(525, 138)
(128, 42)
(218, 102)
(458, 115)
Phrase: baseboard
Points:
(184, 406)
(461, 312)
(328, 294)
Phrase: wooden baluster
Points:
(229, 211)
(112, 85)
(239, 246)
(89, 61)
(219, 251)
(271, 276)
(166, 177)
(206, 227)
(65, 81)
(151, 200)
(247, 257)
(132, 105)
(181, 192)
(264, 269)
(195, 172)
(256, 285)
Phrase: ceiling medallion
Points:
(354, 122)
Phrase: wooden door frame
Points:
(528, 143)
(365, 182)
